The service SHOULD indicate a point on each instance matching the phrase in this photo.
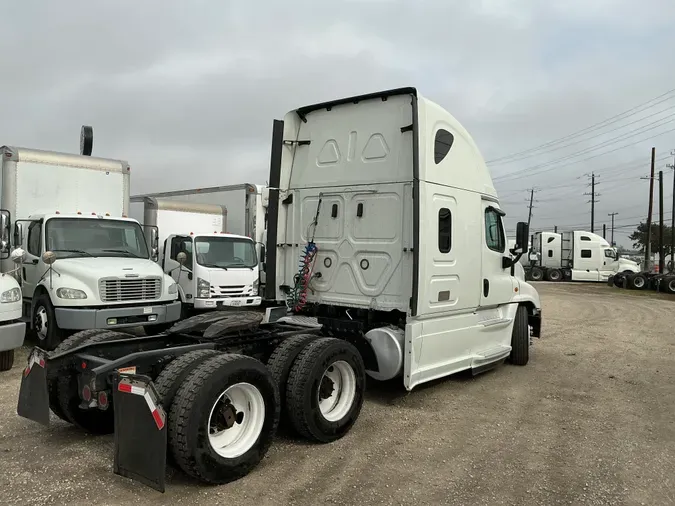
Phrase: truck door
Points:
(184, 277)
(496, 283)
(31, 270)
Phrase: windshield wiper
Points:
(125, 252)
(82, 252)
(241, 265)
(213, 266)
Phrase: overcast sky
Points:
(187, 91)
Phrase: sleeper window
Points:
(442, 144)
(494, 231)
(586, 253)
(444, 230)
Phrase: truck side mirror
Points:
(522, 236)
(154, 243)
(18, 255)
(18, 235)
(4, 234)
(49, 257)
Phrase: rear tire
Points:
(95, 420)
(554, 275)
(280, 363)
(6, 360)
(668, 285)
(68, 344)
(328, 371)
(200, 419)
(173, 375)
(536, 274)
(520, 338)
(637, 281)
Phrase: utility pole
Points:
(555, 229)
(662, 260)
(593, 201)
(672, 217)
(604, 231)
(648, 246)
(612, 215)
(529, 214)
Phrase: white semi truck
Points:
(86, 264)
(246, 205)
(574, 256)
(219, 269)
(386, 241)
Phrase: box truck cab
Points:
(214, 270)
(86, 264)
(218, 269)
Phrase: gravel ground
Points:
(588, 421)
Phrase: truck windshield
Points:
(225, 252)
(86, 237)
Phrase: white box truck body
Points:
(575, 255)
(389, 207)
(246, 205)
(220, 269)
(86, 264)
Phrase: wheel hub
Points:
(327, 387)
(41, 322)
(226, 417)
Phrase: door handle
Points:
(486, 287)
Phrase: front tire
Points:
(325, 389)
(6, 360)
(520, 338)
(44, 322)
(223, 418)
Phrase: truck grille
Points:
(227, 291)
(119, 290)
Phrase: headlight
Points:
(13, 295)
(203, 288)
(256, 284)
(173, 288)
(70, 293)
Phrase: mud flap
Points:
(140, 431)
(33, 395)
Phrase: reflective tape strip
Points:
(32, 360)
(157, 414)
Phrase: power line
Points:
(519, 174)
(595, 126)
(586, 139)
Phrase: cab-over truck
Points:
(387, 254)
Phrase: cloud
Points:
(187, 91)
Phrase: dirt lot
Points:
(588, 421)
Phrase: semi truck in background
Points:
(382, 223)
(86, 264)
(246, 206)
(574, 256)
(217, 269)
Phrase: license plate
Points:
(147, 310)
(236, 303)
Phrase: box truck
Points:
(574, 256)
(218, 269)
(385, 238)
(246, 205)
(86, 263)
(12, 329)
